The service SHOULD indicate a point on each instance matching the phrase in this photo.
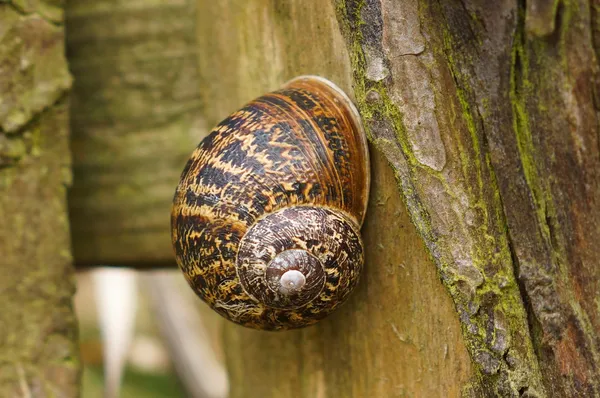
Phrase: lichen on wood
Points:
(38, 329)
(486, 185)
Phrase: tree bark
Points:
(497, 154)
(487, 114)
(38, 329)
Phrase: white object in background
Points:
(116, 300)
(184, 332)
(148, 354)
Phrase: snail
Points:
(266, 217)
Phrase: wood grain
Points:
(135, 120)
(398, 335)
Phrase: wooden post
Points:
(38, 353)
(487, 116)
(398, 335)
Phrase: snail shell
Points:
(266, 218)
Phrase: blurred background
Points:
(148, 371)
(132, 347)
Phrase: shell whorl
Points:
(317, 247)
(266, 217)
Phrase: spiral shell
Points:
(266, 218)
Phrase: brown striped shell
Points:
(266, 218)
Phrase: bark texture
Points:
(135, 121)
(38, 355)
(487, 113)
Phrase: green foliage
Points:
(136, 384)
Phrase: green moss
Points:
(491, 245)
(382, 108)
(135, 384)
(520, 89)
(468, 163)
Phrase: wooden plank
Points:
(135, 119)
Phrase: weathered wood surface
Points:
(38, 353)
(399, 334)
(487, 114)
(135, 120)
